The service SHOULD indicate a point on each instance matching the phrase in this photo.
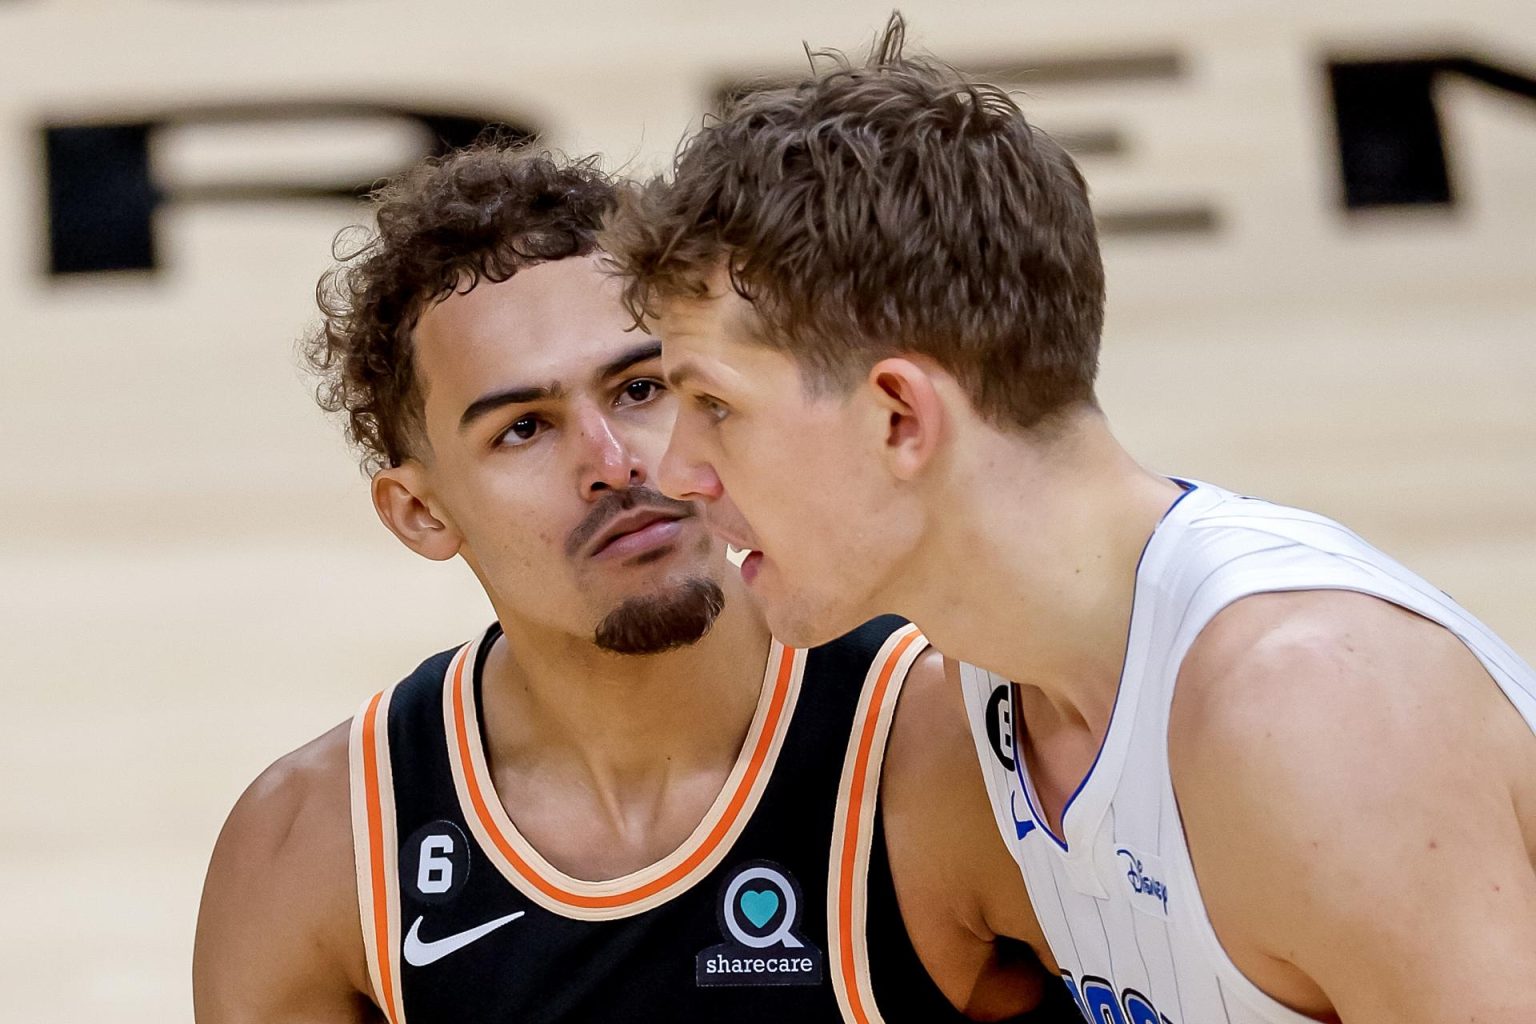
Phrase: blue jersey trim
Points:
(1018, 770)
(1018, 755)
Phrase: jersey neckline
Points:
(1091, 797)
(527, 870)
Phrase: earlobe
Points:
(906, 393)
(400, 496)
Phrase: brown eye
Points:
(641, 390)
(521, 431)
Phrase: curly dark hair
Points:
(477, 214)
(884, 208)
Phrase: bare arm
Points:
(962, 897)
(278, 938)
(1350, 780)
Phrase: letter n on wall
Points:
(1388, 119)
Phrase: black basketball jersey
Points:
(760, 916)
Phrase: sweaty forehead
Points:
(554, 322)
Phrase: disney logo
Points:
(1141, 882)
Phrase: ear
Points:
(905, 390)
(402, 498)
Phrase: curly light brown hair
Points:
(878, 209)
(478, 214)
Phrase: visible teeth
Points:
(736, 555)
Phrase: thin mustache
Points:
(617, 502)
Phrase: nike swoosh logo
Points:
(419, 954)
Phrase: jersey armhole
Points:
(375, 851)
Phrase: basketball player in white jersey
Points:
(619, 802)
(1252, 769)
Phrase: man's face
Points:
(545, 420)
(796, 477)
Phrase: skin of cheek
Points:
(512, 538)
(812, 516)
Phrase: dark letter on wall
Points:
(102, 195)
(1391, 145)
(100, 198)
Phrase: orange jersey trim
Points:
(491, 824)
(373, 839)
(376, 858)
(857, 796)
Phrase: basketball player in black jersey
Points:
(624, 801)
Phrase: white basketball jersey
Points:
(1115, 893)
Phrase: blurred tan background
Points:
(194, 581)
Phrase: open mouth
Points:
(747, 560)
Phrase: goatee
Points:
(661, 622)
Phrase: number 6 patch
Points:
(434, 862)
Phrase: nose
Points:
(683, 475)
(609, 462)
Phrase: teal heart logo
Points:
(759, 906)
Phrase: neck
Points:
(621, 726)
(1035, 582)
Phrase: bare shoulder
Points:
(1334, 678)
(931, 769)
(936, 804)
(1332, 752)
(961, 894)
(926, 752)
(312, 778)
(298, 809)
(930, 730)
(278, 936)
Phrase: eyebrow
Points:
(642, 353)
(523, 395)
(487, 404)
